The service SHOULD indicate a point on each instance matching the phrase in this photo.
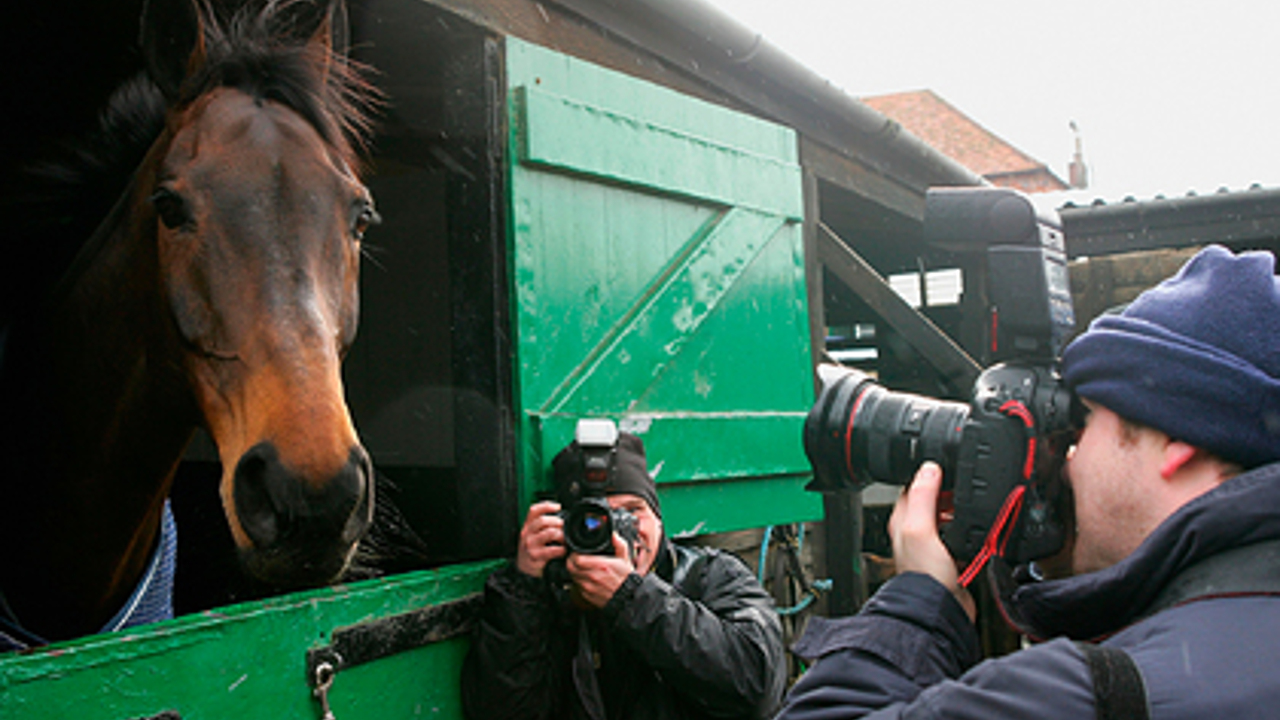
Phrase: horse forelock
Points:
(252, 52)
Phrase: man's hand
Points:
(913, 527)
(597, 577)
(541, 539)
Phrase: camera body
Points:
(1001, 453)
(589, 521)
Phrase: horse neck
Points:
(117, 355)
(104, 417)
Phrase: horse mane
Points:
(130, 122)
(256, 52)
(55, 205)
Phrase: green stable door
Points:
(658, 279)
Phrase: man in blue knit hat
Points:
(1172, 605)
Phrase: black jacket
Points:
(696, 638)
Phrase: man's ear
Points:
(1176, 456)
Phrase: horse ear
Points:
(311, 21)
(171, 35)
(330, 34)
(335, 28)
(340, 28)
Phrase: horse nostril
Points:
(255, 506)
(277, 507)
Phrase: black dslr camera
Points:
(583, 474)
(1001, 454)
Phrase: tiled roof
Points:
(956, 135)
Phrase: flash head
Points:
(597, 441)
(596, 432)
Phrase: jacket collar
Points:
(1239, 512)
(665, 566)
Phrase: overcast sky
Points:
(1169, 96)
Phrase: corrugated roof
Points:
(1241, 219)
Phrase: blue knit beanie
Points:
(1196, 357)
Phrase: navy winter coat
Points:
(910, 652)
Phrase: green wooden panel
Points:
(736, 504)
(249, 661)
(750, 481)
(658, 278)
(654, 157)
(759, 444)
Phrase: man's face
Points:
(1109, 471)
(648, 525)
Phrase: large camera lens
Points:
(588, 528)
(858, 433)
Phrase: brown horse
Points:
(220, 292)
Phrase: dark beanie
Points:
(1196, 357)
(629, 475)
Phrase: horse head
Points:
(220, 289)
(258, 216)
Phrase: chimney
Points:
(1078, 172)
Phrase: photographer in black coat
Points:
(654, 630)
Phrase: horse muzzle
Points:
(302, 530)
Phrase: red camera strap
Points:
(998, 535)
(1020, 411)
(995, 543)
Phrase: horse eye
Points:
(171, 208)
(366, 217)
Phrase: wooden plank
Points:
(934, 345)
(613, 146)
(858, 178)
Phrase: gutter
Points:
(709, 39)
